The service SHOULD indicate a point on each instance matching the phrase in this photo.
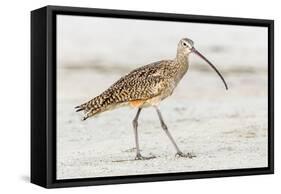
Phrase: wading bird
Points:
(147, 86)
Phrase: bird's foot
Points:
(140, 157)
(187, 155)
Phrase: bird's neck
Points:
(182, 59)
(182, 62)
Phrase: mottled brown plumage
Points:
(155, 82)
(142, 84)
(146, 86)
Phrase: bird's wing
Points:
(141, 84)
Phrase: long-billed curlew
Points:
(147, 86)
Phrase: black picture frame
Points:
(43, 95)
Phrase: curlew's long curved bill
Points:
(214, 68)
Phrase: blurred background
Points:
(226, 129)
(123, 44)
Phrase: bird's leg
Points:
(135, 125)
(165, 128)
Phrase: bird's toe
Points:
(187, 155)
(140, 157)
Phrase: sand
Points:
(224, 129)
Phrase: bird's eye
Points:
(184, 44)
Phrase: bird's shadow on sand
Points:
(133, 160)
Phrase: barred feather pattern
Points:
(143, 83)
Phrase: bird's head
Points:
(186, 46)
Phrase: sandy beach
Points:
(224, 129)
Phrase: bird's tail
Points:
(90, 108)
(96, 105)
